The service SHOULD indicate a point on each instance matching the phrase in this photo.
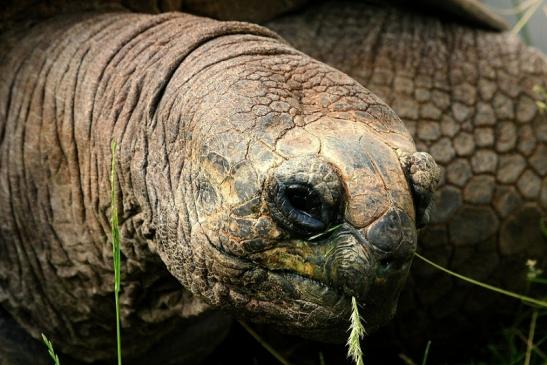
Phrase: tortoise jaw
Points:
(331, 270)
(297, 257)
(338, 262)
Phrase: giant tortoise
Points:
(254, 180)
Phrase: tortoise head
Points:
(298, 190)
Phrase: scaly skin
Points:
(58, 114)
(467, 97)
(223, 130)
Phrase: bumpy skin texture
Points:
(222, 130)
(467, 97)
(61, 104)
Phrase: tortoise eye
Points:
(302, 207)
(304, 196)
(305, 199)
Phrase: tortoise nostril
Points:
(394, 238)
(390, 264)
(387, 231)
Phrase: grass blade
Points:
(264, 344)
(50, 350)
(543, 227)
(321, 359)
(116, 239)
(426, 353)
(524, 298)
(324, 233)
(530, 340)
(357, 332)
(523, 21)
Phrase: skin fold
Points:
(467, 97)
(234, 149)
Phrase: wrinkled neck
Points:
(68, 87)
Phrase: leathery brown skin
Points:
(233, 149)
(467, 96)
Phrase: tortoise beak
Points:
(334, 260)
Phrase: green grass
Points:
(524, 298)
(324, 233)
(521, 343)
(264, 344)
(541, 94)
(523, 12)
(50, 350)
(116, 258)
(356, 333)
(356, 329)
(426, 353)
(116, 240)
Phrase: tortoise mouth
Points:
(313, 290)
(330, 322)
(302, 270)
(304, 287)
(338, 261)
(335, 268)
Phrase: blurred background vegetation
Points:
(533, 12)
